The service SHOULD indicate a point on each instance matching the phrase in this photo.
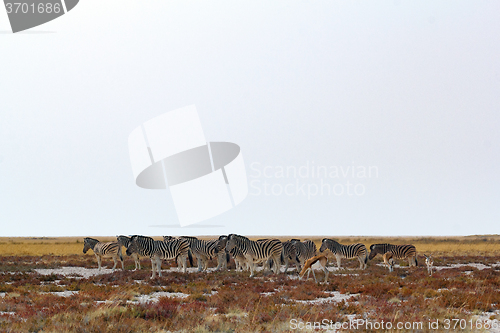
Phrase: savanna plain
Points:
(49, 285)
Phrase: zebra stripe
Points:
(203, 250)
(125, 242)
(110, 249)
(305, 250)
(346, 251)
(407, 251)
(255, 252)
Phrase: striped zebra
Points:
(239, 258)
(305, 250)
(110, 249)
(125, 242)
(203, 250)
(289, 253)
(346, 251)
(398, 252)
(255, 252)
(158, 250)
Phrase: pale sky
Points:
(407, 90)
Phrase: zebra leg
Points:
(98, 261)
(153, 267)
(184, 264)
(252, 268)
(277, 265)
(338, 262)
(361, 263)
(326, 273)
(116, 262)
(287, 263)
(136, 260)
(158, 265)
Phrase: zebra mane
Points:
(329, 240)
(140, 236)
(189, 237)
(294, 240)
(222, 237)
(86, 239)
(237, 236)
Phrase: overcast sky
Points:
(406, 94)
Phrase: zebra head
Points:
(231, 242)
(221, 243)
(89, 243)
(374, 250)
(132, 246)
(123, 240)
(324, 244)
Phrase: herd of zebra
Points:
(247, 254)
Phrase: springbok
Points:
(322, 259)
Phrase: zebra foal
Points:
(256, 252)
(110, 249)
(357, 250)
(408, 252)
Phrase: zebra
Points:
(158, 250)
(305, 250)
(346, 251)
(429, 262)
(110, 249)
(398, 251)
(125, 242)
(255, 252)
(289, 253)
(239, 258)
(203, 250)
(222, 255)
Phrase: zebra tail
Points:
(282, 258)
(366, 259)
(228, 258)
(416, 262)
(121, 255)
(190, 256)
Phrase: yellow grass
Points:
(467, 245)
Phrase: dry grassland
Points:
(480, 245)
